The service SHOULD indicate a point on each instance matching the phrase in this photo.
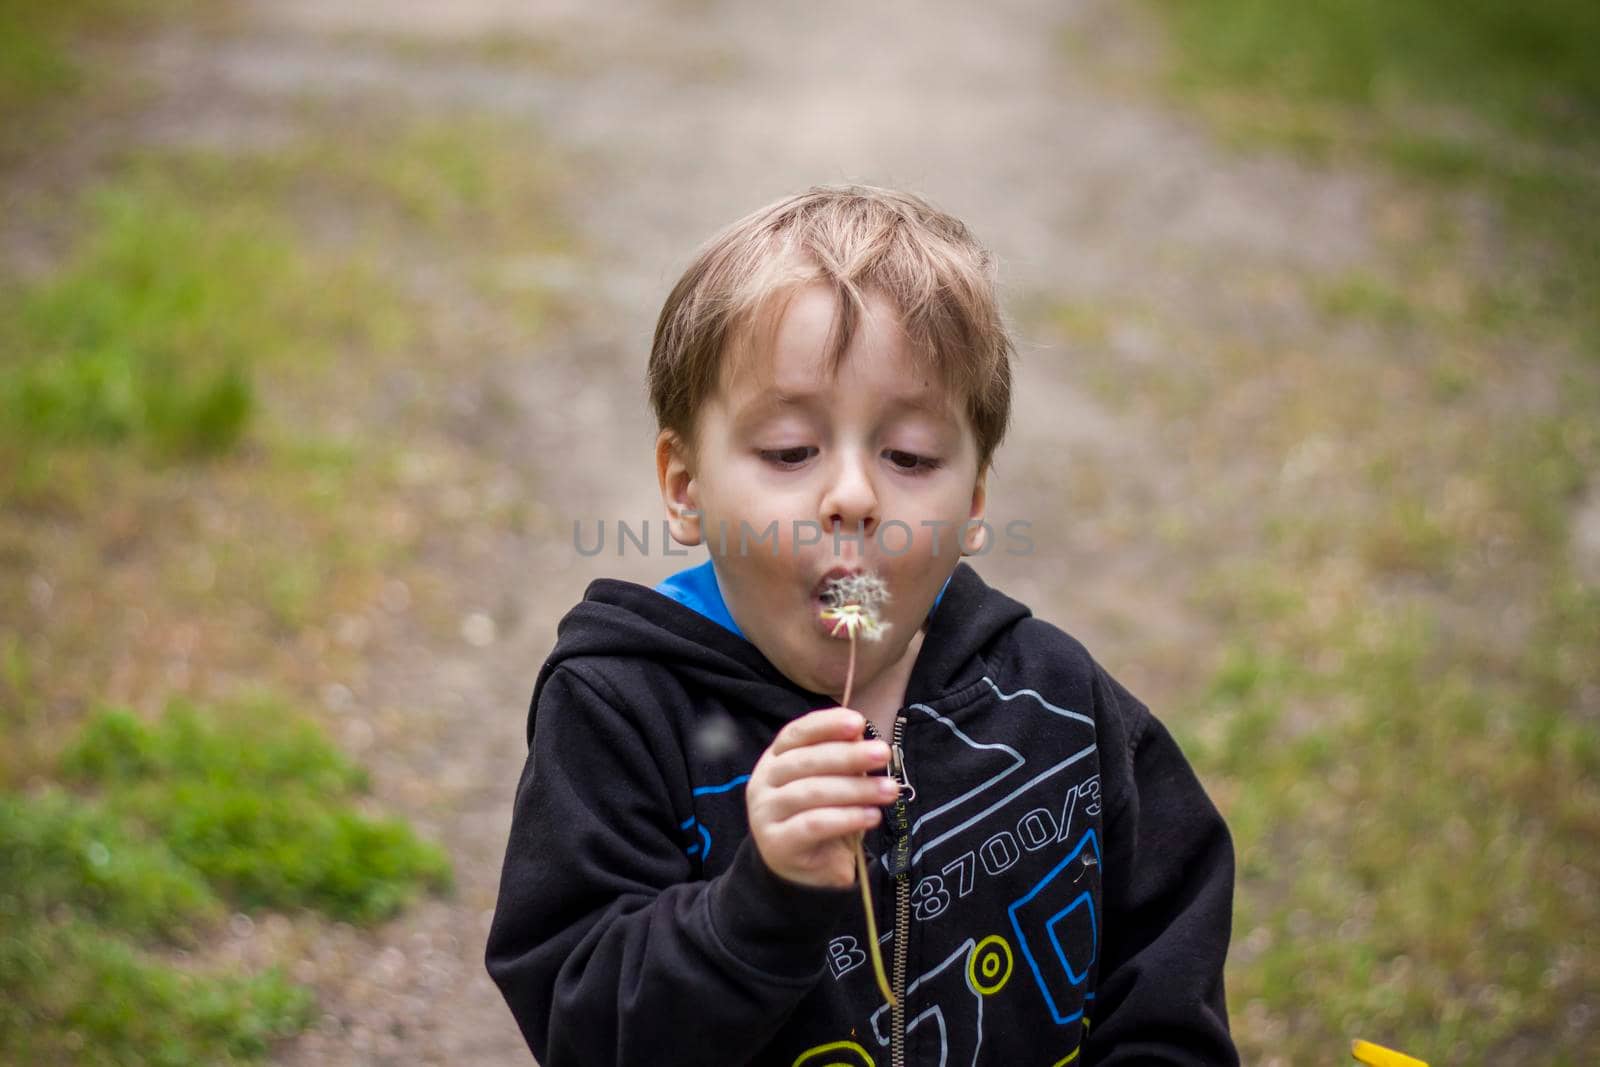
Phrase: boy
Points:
(831, 377)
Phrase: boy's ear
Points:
(679, 493)
(974, 533)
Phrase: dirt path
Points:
(683, 117)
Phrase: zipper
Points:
(902, 898)
(900, 866)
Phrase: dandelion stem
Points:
(862, 871)
(853, 607)
(872, 928)
(849, 674)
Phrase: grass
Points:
(75, 996)
(208, 361)
(155, 332)
(1404, 729)
(202, 472)
(66, 853)
(58, 60)
(1401, 718)
(1413, 836)
(246, 806)
(37, 54)
(1532, 67)
(1486, 97)
(259, 804)
(192, 281)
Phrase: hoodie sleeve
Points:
(1168, 891)
(605, 948)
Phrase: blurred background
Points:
(320, 324)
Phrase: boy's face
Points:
(877, 449)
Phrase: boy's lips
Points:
(837, 572)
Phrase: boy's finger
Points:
(828, 757)
(819, 824)
(833, 792)
(826, 724)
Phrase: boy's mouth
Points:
(819, 592)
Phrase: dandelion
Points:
(853, 602)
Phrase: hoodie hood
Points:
(698, 588)
(619, 618)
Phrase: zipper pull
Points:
(897, 767)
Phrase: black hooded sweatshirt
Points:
(1054, 887)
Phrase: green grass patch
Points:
(1407, 538)
(243, 806)
(1533, 66)
(60, 59)
(84, 891)
(66, 855)
(411, 177)
(196, 276)
(1414, 848)
(1361, 295)
(119, 748)
(153, 333)
(212, 306)
(34, 60)
(1414, 790)
(37, 59)
(1402, 725)
(1489, 96)
(71, 993)
(260, 804)
(459, 175)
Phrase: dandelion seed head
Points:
(853, 601)
(865, 589)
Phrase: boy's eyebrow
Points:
(774, 400)
(777, 400)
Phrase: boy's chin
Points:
(834, 665)
(827, 677)
(823, 667)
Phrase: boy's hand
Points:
(809, 797)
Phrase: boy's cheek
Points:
(769, 539)
(922, 541)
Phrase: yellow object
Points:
(1378, 1056)
(818, 1057)
(991, 956)
(872, 926)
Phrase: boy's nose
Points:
(851, 501)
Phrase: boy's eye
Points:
(907, 462)
(788, 457)
(910, 461)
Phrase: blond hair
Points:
(854, 239)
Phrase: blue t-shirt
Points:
(697, 588)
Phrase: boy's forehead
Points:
(777, 363)
(759, 373)
(782, 345)
(760, 384)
